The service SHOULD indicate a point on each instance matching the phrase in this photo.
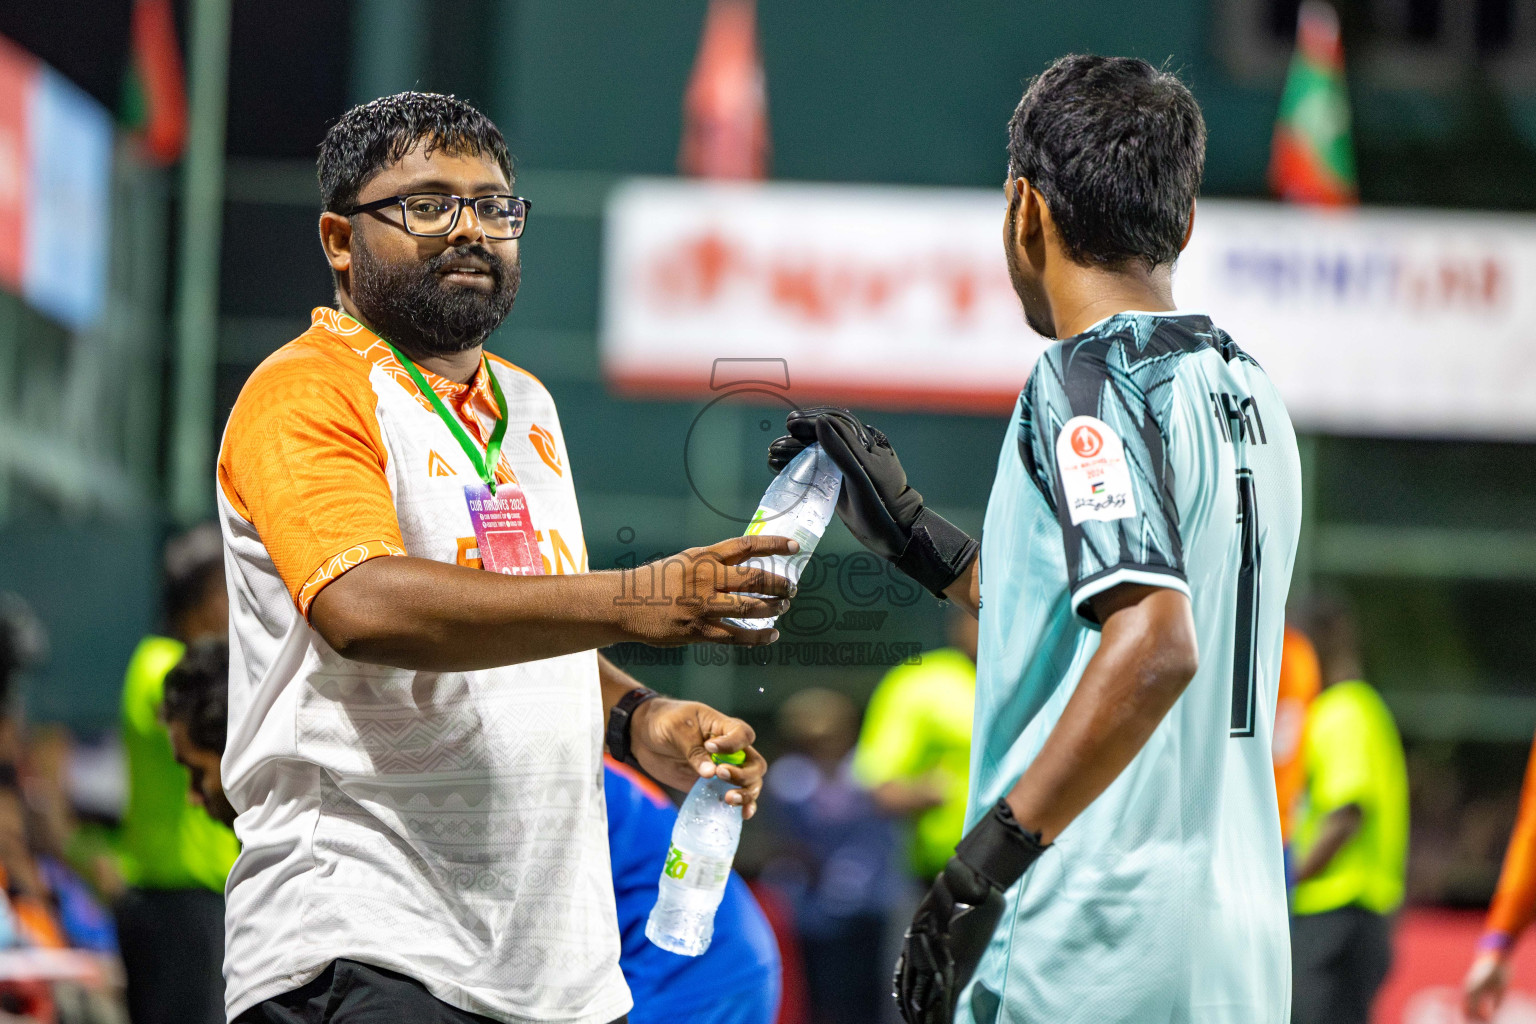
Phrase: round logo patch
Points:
(1095, 478)
(1087, 442)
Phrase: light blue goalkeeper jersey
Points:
(1149, 449)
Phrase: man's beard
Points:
(410, 305)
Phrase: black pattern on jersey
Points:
(1120, 372)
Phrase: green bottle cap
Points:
(739, 757)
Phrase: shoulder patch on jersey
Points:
(1095, 480)
(544, 443)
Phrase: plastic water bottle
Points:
(798, 504)
(698, 866)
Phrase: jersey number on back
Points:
(1244, 651)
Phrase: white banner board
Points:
(1369, 321)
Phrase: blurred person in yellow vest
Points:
(1301, 679)
(1351, 836)
(914, 752)
(175, 857)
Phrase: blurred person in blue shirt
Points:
(837, 861)
(736, 980)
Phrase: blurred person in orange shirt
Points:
(1301, 678)
(1513, 907)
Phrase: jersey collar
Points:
(473, 402)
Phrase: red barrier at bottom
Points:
(1433, 950)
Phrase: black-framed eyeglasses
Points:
(435, 214)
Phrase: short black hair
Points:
(1117, 149)
(197, 693)
(373, 135)
(194, 564)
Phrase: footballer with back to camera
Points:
(1122, 858)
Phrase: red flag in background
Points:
(1312, 159)
(19, 73)
(725, 111)
(155, 96)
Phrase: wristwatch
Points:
(617, 737)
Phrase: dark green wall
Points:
(96, 588)
(902, 91)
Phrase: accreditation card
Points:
(504, 529)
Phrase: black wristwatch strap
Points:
(617, 737)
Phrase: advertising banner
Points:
(55, 182)
(1369, 321)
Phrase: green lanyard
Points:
(485, 464)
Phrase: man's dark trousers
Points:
(1339, 959)
(172, 945)
(348, 992)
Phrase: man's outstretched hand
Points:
(877, 504)
(955, 921)
(686, 597)
(672, 741)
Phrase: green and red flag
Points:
(725, 111)
(155, 95)
(1312, 159)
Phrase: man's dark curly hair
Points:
(1117, 148)
(197, 693)
(373, 135)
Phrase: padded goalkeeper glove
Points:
(955, 921)
(877, 504)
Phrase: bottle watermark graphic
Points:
(842, 601)
(735, 380)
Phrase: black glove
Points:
(876, 503)
(956, 919)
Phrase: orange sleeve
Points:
(1514, 902)
(1301, 679)
(304, 463)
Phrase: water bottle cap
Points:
(739, 757)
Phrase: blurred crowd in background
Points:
(114, 848)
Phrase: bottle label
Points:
(696, 870)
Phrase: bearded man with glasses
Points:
(415, 744)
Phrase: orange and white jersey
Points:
(1514, 901)
(1301, 680)
(447, 825)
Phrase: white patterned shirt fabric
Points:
(446, 825)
